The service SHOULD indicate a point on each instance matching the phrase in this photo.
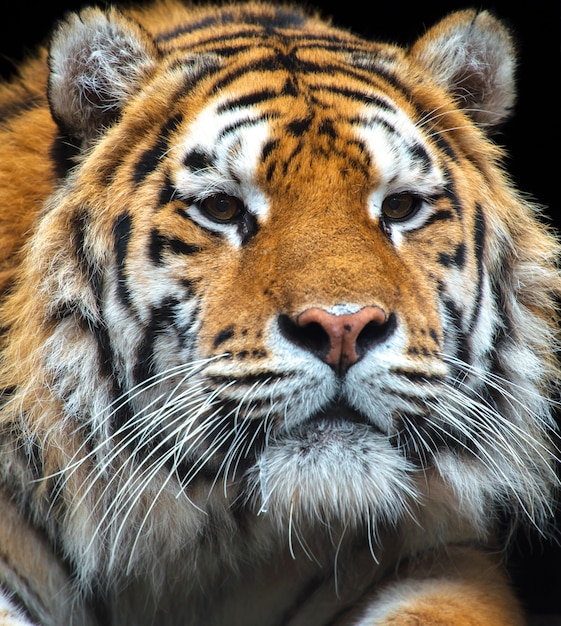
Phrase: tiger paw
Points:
(459, 587)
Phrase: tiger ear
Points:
(96, 60)
(471, 54)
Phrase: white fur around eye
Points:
(233, 157)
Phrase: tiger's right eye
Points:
(222, 207)
(400, 206)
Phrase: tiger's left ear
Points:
(472, 55)
(97, 60)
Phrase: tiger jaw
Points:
(299, 475)
(324, 431)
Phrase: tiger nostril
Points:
(312, 336)
(338, 340)
(374, 333)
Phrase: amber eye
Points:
(221, 207)
(400, 206)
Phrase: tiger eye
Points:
(222, 207)
(400, 206)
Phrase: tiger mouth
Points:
(338, 431)
(340, 413)
(335, 422)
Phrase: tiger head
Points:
(283, 273)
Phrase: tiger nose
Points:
(339, 340)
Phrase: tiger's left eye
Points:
(222, 207)
(400, 206)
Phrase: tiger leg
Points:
(458, 587)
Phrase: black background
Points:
(531, 139)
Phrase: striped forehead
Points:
(226, 142)
(222, 149)
(398, 147)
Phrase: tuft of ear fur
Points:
(97, 60)
(472, 55)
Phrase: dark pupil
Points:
(223, 206)
(398, 204)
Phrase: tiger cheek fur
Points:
(275, 324)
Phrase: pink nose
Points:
(344, 333)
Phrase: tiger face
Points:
(283, 276)
(286, 281)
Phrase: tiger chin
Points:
(278, 332)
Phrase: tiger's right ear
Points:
(97, 60)
(472, 55)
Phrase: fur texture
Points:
(279, 334)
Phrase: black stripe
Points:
(268, 148)
(335, 41)
(249, 99)
(365, 153)
(327, 128)
(420, 153)
(94, 279)
(275, 18)
(151, 158)
(105, 354)
(197, 160)
(161, 317)
(122, 233)
(220, 19)
(506, 330)
(12, 109)
(159, 244)
(457, 259)
(249, 380)
(168, 192)
(225, 51)
(369, 122)
(298, 127)
(247, 227)
(445, 147)
(223, 335)
(358, 96)
(246, 122)
(92, 274)
(270, 171)
(479, 250)
(451, 195)
(441, 215)
(411, 375)
(463, 350)
(193, 73)
(289, 88)
(122, 412)
(295, 152)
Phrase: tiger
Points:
(279, 331)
